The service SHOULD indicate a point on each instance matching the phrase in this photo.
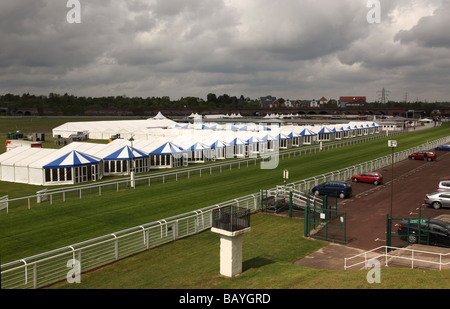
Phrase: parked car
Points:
(372, 177)
(444, 185)
(438, 199)
(423, 155)
(342, 189)
(443, 147)
(432, 231)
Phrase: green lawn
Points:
(269, 250)
(45, 227)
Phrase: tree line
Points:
(67, 104)
(71, 105)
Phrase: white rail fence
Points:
(102, 187)
(406, 257)
(43, 269)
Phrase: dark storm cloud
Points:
(193, 47)
(430, 31)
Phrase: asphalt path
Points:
(402, 192)
(368, 207)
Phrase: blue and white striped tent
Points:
(199, 152)
(168, 155)
(124, 160)
(308, 136)
(307, 132)
(126, 153)
(72, 159)
(168, 149)
(72, 167)
(219, 144)
(222, 150)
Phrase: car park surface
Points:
(367, 209)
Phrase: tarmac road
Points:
(367, 209)
(369, 205)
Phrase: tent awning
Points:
(73, 158)
(168, 148)
(125, 153)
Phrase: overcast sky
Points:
(295, 49)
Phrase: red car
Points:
(423, 155)
(372, 177)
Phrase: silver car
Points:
(438, 199)
(443, 185)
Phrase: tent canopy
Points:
(125, 153)
(73, 158)
(307, 132)
(167, 149)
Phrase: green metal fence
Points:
(402, 232)
(322, 220)
(325, 223)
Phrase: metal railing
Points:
(43, 269)
(414, 257)
(100, 187)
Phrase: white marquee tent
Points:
(158, 143)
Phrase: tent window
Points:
(61, 174)
(106, 166)
(48, 175)
(54, 174)
(69, 173)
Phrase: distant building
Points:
(352, 102)
(268, 102)
(272, 102)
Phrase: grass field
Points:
(27, 232)
(269, 252)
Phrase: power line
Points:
(383, 95)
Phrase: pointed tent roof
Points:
(253, 139)
(198, 146)
(167, 148)
(219, 144)
(159, 116)
(73, 158)
(307, 132)
(125, 153)
(293, 134)
(281, 136)
(237, 141)
(324, 130)
(268, 137)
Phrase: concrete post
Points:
(230, 251)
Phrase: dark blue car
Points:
(443, 147)
(342, 189)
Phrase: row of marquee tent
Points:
(162, 144)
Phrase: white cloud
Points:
(291, 49)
